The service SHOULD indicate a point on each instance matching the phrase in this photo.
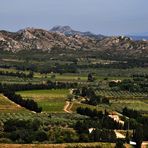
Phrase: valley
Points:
(55, 87)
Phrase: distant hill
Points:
(139, 36)
(135, 37)
(68, 31)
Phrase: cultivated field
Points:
(121, 99)
(49, 100)
(121, 94)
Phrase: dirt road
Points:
(67, 107)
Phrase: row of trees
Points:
(140, 75)
(138, 123)
(96, 134)
(90, 96)
(104, 121)
(17, 74)
(97, 127)
(103, 135)
(30, 86)
(68, 68)
(131, 113)
(45, 68)
(29, 103)
(136, 85)
(91, 113)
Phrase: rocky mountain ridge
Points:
(31, 38)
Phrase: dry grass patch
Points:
(8, 106)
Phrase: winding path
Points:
(68, 106)
(119, 135)
(144, 144)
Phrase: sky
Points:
(108, 17)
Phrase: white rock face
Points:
(2, 39)
(26, 33)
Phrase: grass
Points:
(132, 104)
(49, 100)
(76, 105)
(63, 77)
(76, 77)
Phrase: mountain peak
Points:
(68, 31)
(25, 30)
(61, 29)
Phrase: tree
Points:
(1, 126)
(31, 74)
(53, 77)
(90, 78)
(41, 136)
(70, 97)
(119, 144)
(138, 136)
(69, 136)
(127, 137)
(84, 137)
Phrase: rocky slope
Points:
(31, 38)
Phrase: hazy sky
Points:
(110, 17)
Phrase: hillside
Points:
(31, 38)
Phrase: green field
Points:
(81, 76)
(76, 105)
(132, 104)
(122, 94)
(49, 100)
(54, 100)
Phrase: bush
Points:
(119, 144)
(41, 136)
